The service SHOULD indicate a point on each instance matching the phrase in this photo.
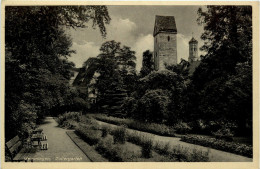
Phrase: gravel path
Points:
(60, 147)
(214, 155)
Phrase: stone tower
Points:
(193, 50)
(165, 42)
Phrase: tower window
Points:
(168, 38)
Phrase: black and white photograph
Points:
(128, 83)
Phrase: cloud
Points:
(121, 30)
(126, 32)
(143, 43)
(84, 51)
(183, 47)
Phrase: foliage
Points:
(221, 86)
(175, 153)
(109, 150)
(181, 69)
(147, 66)
(224, 133)
(37, 69)
(147, 145)
(116, 66)
(66, 117)
(159, 129)
(88, 134)
(165, 80)
(180, 153)
(153, 106)
(105, 131)
(119, 135)
(232, 147)
(182, 128)
(129, 106)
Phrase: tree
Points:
(116, 66)
(181, 69)
(147, 63)
(153, 106)
(228, 44)
(228, 40)
(37, 69)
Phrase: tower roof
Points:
(193, 40)
(164, 24)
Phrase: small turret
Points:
(193, 50)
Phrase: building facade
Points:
(165, 42)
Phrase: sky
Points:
(133, 27)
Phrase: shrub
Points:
(129, 106)
(180, 153)
(147, 145)
(119, 135)
(232, 147)
(162, 149)
(115, 152)
(75, 116)
(153, 106)
(224, 133)
(89, 135)
(159, 129)
(104, 131)
(107, 149)
(182, 128)
(134, 138)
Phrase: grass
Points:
(159, 129)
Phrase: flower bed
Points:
(159, 129)
(114, 144)
(177, 153)
(219, 144)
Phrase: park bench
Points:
(17, 151)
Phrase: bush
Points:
(110, 151)
(119, 135)
(179, 153)
(162, 149)
(75, 116)
(104, 131)
(129, 106)
(89, 135)
(224, 133)
(159, 129)
(147, 145)
(115, 152)
(182, 128)
(232, 147)
(153, 106)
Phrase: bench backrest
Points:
(14, 145)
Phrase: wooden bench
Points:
(17, 151)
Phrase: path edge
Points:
(86, 148)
